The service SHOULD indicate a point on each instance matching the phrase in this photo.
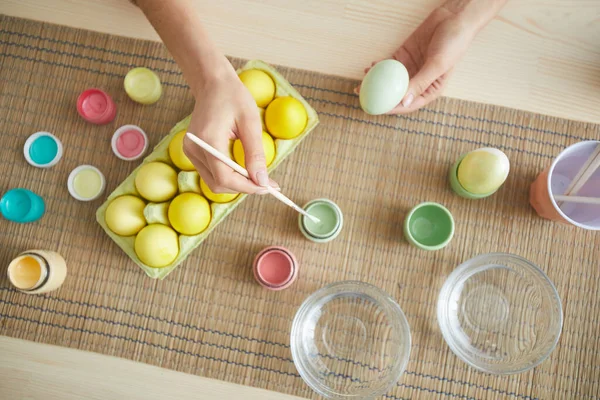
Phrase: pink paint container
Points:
(275, 268)
(96, 107)
(129, 142)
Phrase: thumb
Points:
(418, 84)
(250, 134)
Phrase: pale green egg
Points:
(483, 171)
(383, 87)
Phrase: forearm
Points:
(178, 24)
(475, 13)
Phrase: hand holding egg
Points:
(429, 55)
(383, 87)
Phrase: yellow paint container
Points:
(86, 183)
(37, 271)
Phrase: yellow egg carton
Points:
(188, 181)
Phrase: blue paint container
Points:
(22, 206)
(43, 150)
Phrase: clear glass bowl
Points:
(500, 313)
(350, 340)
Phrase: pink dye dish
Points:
(129, 142)
(96, 106)
(275, 268)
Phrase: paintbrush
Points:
(237, 168)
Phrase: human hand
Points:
(224, 111)
(433, 49)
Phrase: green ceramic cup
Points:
(331, 221)
(457, 187)
(429, 226)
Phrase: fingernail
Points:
(261, 192)
(408, 100)
(262, 178)
(274, 185)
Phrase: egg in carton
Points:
(156, 212)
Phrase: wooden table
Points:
(538, 56)
(541, 56)
(34, 371)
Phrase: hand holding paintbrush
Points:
(237, 168)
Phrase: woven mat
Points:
(209, 317)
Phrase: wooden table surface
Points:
(540, 56)
(33, 371)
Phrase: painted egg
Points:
(483, 171)
(177, 155)
(285, 118)
(268, 147)
(125, 215)
(157, 245)
(260, 85)
(156, 181)
(383, 87)
(189, 213)
(216, 197)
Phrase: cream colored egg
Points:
(125, 215)
(483, 171)
(156, 181)
(383, 87)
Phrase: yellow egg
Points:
(216, 197)
(157, 245)
(483, 171)
(189, 213)
(177, 155)
(125, 215)
(260, 85)
(156, 182)
(285, 118)
(268, 146)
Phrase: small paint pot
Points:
(86, 183)
(22, 206)
(96, 106)
(129, 142)
(331, 223)
(37, 271)
(143, 86)
(429, 226)
(43, 150)
(275, 268)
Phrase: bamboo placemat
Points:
(209, 317)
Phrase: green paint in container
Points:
(429, 226)
(331, 221)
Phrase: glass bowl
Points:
(350, 340)
(500, 313)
